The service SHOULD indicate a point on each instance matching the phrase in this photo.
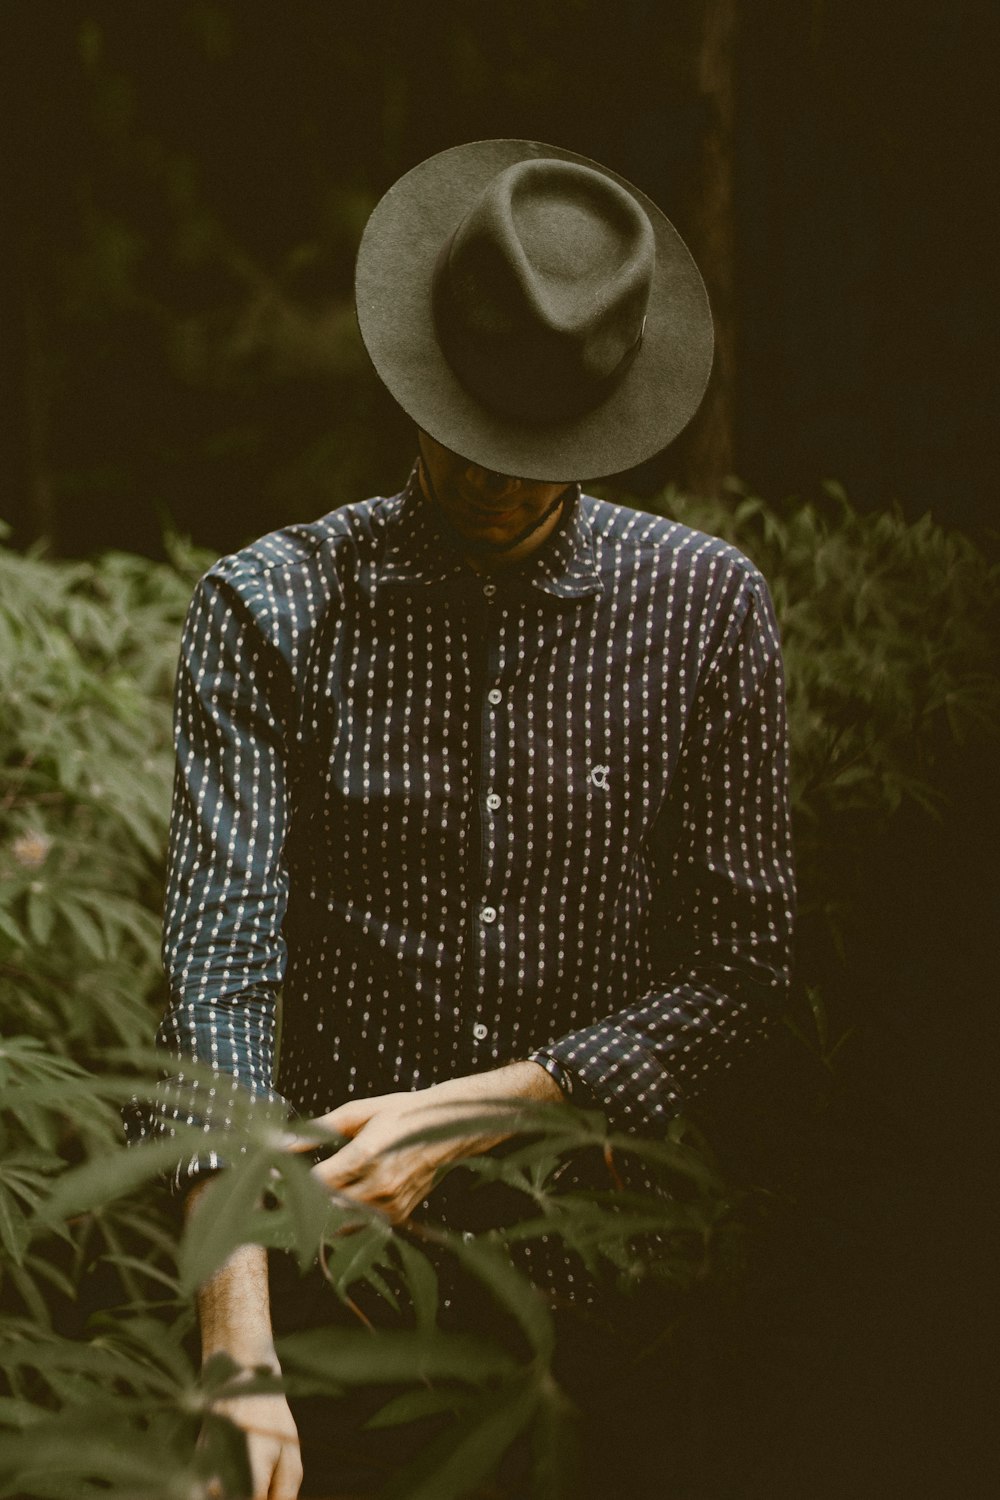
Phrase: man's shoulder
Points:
(627, 534)
(309, 545)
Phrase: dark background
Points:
(184, 188)
(186, 183)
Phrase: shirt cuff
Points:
(144, 1121)
(570, 1085)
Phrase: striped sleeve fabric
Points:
(223, 950)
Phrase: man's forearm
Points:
(516, 1080)
(536, 1082)
(234, 1305)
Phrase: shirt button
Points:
(493, 801)
(480, 1032)
(489, 914)
(489, 589)
(495, 695)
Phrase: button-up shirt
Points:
(458, 819)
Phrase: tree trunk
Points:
(708, 452)
(25, 180)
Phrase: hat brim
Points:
(657, 396)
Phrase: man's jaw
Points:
(497, 547)
(486, 510)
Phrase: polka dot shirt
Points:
(458, 820)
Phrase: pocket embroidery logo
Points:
(599, 777)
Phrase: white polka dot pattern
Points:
(460, 821)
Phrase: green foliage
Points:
(888, 633)
(132, 1380)
(87, 655)
(889, 640)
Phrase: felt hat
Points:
(533, 311)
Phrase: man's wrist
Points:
(526, 1079)
(546, 1083)
(516, 1081)
(554, 1070)
(248, 1349)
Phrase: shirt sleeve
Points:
(722, 921)
(226, 890)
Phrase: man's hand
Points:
(373, 1167)
(272, 1444)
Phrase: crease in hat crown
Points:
(540, 294)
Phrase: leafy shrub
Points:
(888, 633)
(87, 656)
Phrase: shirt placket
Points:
(487, 917)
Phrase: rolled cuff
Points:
(221, 1105)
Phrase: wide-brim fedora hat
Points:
(533, 311)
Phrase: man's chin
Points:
(477, 518)
(491, 532)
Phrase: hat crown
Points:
(540, 294)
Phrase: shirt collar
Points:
(419, 553)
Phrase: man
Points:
(488, 776)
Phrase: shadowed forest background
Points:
(184, 189)
(186, 186)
